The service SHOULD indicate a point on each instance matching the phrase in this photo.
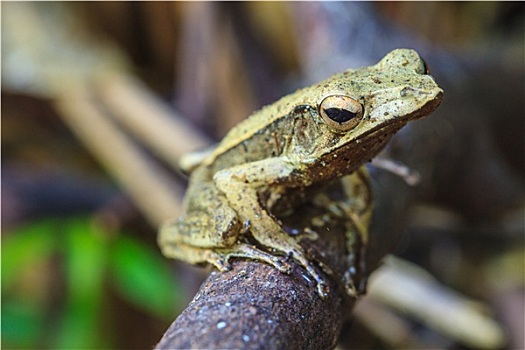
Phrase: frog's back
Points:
(253, 138)
(258, 121)
(260, 131)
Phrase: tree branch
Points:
(254, 306)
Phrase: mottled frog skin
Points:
(284, 153)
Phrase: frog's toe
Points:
(351, 289)
(322, 287)
(323, 290)
(221, 264)
(281, 265)
(354, 286)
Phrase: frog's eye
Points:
(341, 112)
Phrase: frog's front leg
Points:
(240, 186)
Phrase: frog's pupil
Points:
(339, 115)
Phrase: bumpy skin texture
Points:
(284, 153)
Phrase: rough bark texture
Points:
(254, 306)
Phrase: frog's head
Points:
(363, 108)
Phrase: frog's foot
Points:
(220, 257)
(294, 251)
(322, 287)
(282, 242)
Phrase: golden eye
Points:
(341, 112)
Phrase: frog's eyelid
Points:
(336, 93)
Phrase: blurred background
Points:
(99, 100)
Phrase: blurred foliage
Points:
(55, 279)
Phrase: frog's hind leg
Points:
(208, 223)
(220, 257)
(209, 232)
(208, 220)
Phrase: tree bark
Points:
(254, 306)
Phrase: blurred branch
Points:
(69, 72)
(151, 120)
(145, 182)
(413, 291)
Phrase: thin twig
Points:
(151, 120)
(409, 288)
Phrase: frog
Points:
(285, 153)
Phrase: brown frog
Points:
(285, 152)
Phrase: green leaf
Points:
(79, 326)
(143, 277)
(86, 258)
(22, 324)
(25, 247)
(86, 249)
(25, 253)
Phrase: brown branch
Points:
(146, 183)
(257, 307)
(152, 121)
